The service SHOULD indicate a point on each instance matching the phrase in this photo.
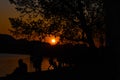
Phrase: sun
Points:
(53, 41)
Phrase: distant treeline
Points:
(10, 45)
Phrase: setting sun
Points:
(53, 40)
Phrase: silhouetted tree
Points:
(73, 20)
(36, 57)
(36, 60)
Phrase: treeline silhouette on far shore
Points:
(10, 45)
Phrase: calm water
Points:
(8, 63)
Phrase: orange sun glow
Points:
(52, 40)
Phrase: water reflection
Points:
(9, 62)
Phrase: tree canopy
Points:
(72, 20)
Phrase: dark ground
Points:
(63, 74)
(90, 65)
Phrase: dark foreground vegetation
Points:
(85, 72)
(84, 63)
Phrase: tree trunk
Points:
(86, 28)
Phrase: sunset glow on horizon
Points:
(52, 40)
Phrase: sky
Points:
(6, 10)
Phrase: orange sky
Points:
(6, 10)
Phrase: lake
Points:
(8, 63)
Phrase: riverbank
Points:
(84, 72)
